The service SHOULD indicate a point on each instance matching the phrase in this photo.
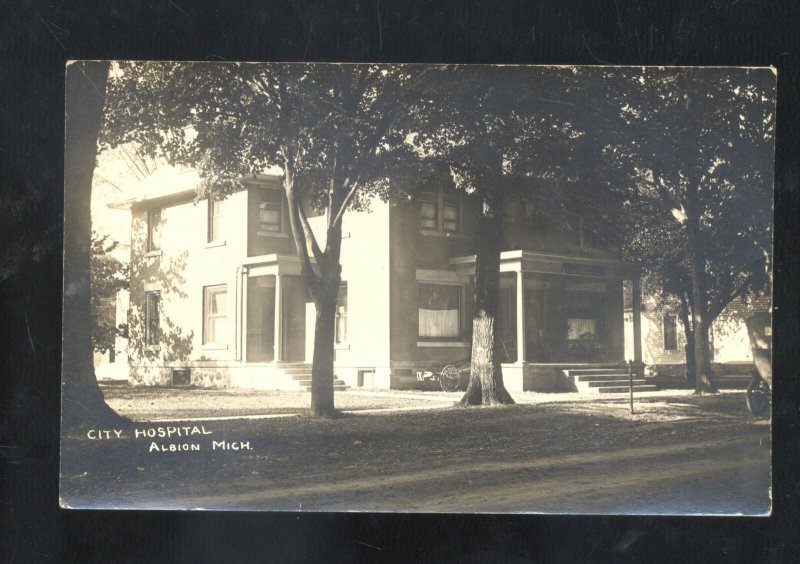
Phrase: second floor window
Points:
(270, 212)
(152, 321)
(153, 229)
(215, 212)
(440, 211)
(215, 314)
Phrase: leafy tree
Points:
(109, 276)
(695, 148)
(337, 133)
(82, 400)
(502, 132)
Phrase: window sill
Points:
(273, 234)
(212, 244)
(214, 347)
(152, 348)
(445, 344)
(443, 234)
(342, 346)
(150, 254)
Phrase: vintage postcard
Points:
(418, 288)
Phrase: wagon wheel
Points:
(449, 378)
(758, 396)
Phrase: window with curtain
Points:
(215, 314)
(578, 328)
(439, 311)
(429, 218)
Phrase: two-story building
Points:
(216, 297)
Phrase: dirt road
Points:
(671, 479)
(675, 456)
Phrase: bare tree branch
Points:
(349, 198)
(308, 232)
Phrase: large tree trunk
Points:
(324, 333)
(486, 377)
(82, 400)
(702, 353)
(323, 286)
(691, 368)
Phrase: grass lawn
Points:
(152, 403)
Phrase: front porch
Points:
(560, 313)
(273, 312)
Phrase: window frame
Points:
(214, 235)
(282, 230)
(337, 338)
(439, 195)
(153, 223)
(461, 312)
(674, 329)
(152, 305)
(208, 291)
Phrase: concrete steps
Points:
(606, 381)
(626, 389)
(300, 375)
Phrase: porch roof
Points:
(557, 263)
(274, 264)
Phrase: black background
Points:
(37, 37)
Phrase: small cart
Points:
(449, 377)
(759, 390)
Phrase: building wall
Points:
(366, 270)
(184, 264)
(412, 250)
(728, 335)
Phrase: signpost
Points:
(630, 382)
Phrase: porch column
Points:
(520, 317)
(278, 318)
(637, 319)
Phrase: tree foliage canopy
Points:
(696, 154)
(109, 276)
